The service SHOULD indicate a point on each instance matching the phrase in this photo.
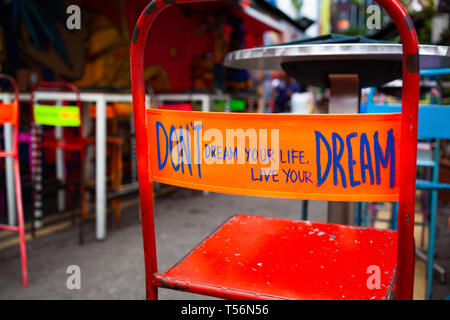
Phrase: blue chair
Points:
(433, 126)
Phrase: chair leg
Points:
(304, 209)
(38, 200)
(82, 217)
(119, 166)
(394, 220)
(432, 222)
(37, 179)
(30, 158)
(366, 216)
(374, 213)
(431, 240)
(363, 213)
(2, 202)
(117, 181)
(73, 215)
(117, 210)
(112, 163)
(425, 207)
(109, 222)
(33, 229)
(83, 214)
(358, 214)
(20, 219)
(31, 177)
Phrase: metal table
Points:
(364, 59)
(344, 68)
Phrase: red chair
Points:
(9, 113)
(64, 116)
(251, 257)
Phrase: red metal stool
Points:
(63, 116)
(251, 257)
(9, 113)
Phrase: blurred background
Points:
(86, 43)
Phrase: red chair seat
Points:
(259, 257)
(65, 143)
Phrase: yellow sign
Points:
(64, 116)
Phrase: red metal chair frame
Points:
(62, 86)
(15, 155)
(78, 143)
(405, 253)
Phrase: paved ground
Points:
(114, 269)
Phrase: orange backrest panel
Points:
(318, 157)
(9, 112)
